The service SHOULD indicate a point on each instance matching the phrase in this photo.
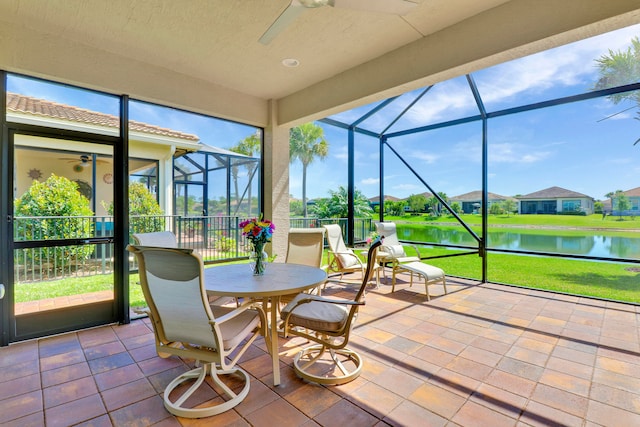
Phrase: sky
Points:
(584, 146)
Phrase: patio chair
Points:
(305, 246)
(393, 249)
(163, 239)
(342, 259)
(327, 322)
(186, 325)
(166, 239)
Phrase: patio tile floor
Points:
(482, 355)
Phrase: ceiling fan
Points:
(296, 7)
(83, 161)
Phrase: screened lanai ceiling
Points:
(206, 55)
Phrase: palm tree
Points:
(618, 68)
(249, 146)
(337, 205)
(306, 142)
(610, 195)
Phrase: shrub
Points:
(578, 213)
(144, 210)
(60, 212)
(223, 243)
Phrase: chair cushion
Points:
(395, 251)
(348, 259)
(317, 315)
(405, 259)
(429, 272)
(235, 330)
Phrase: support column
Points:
(275, 182)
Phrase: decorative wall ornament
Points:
(34, 173)
(107, 178)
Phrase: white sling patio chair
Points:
(305, 246)
(395, 251)
(166, 239)
(163, 239)
(342, 259)
(186, 325)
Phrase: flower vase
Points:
(258, 259)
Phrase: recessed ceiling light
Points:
(290, 62)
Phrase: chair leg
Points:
(307, 365)
(426, 288)
(199, 374)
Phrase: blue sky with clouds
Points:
(585, 147)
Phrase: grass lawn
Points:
(606, 280)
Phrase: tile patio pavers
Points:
(483, 354)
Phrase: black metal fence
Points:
(362, 227)
(216, 238)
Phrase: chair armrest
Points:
(246, 305)
(415, 248)
(318, 298)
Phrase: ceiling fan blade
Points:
(396, 7)
(286, 17)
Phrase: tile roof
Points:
(551, 193)
(477, 195)
(43, 108)
(634, 192)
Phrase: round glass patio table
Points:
(279, 279)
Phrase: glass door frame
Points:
(116, 310)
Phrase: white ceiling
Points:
(347, 57)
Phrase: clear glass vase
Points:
(258, 259)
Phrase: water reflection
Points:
(593, 244)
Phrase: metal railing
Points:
(362, 227)
(216, 238)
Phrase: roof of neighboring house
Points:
(477, 195)
(634, 192)
(553, 193)
(43, 108)
(426, 194)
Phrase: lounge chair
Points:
(342, 259)
(393, 249)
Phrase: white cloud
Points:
(505, 152)
(405, 187)
(341, 153)
(621, 161)
(426, 157)
(515, 153)
(370, 181)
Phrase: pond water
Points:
(589, 243)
